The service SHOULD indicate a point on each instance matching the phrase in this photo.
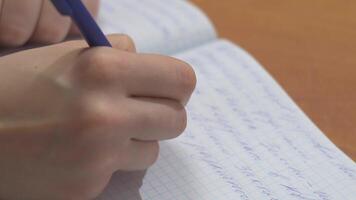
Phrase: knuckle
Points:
(98, 58)
(96, 66)
(186, 78)
(94, 112)
(13, 36)
(99, 66)
(97, 111)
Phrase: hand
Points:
(70, 116)
(35, 21)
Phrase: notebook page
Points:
(161, 26)
(245, 139)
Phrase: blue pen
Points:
(84, 21)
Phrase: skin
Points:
(71, 116)
(35, 21)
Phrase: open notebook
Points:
(246, 139)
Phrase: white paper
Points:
(246, 139)
(160, 26)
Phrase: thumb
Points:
(122, 42)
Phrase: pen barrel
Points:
(86, 23)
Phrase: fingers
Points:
(18, 21)
(160, 76)
(154, 119)
(52, 27)
(138, 155)
(143, 119)
(140, 75)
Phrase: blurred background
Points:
(309, 46)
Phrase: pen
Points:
(84, 21)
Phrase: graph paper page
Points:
(245, 139)
(161, 26)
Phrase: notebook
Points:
(246, 139)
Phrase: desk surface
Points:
(308, 46)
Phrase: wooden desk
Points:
(308, 46)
